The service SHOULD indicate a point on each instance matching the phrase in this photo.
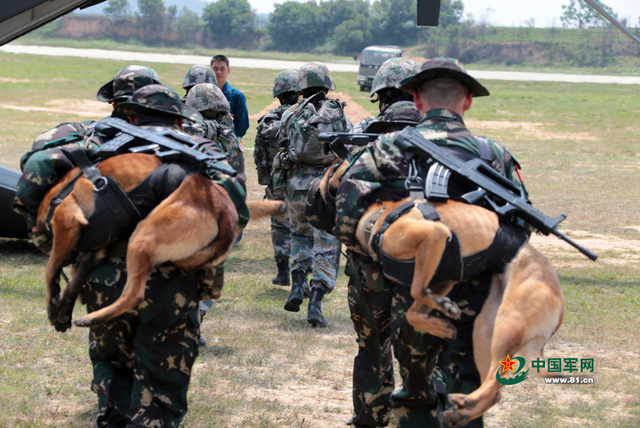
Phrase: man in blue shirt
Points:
(220, 66)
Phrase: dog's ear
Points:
(262, 209)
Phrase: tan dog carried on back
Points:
(194, 227)
(525, 305)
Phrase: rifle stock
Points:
(337, 142)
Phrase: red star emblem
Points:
(507, 364)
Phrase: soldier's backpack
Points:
(306, 123)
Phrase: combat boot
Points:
(314, 315)
(283, 275)
(299, 290)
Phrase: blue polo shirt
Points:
(238, 104)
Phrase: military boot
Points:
(299, 290)
(314, 315)
(283, 275)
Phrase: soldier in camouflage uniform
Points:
(142, 359)
(384, 88)
(312, 251)
(216, 123)
(46, 163)
(265, 149)
(443, 91)
(195, 75)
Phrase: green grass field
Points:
(579, 146)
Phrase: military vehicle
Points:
(371, 59)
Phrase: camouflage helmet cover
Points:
(206, 96)
(393, 71)
(126, 82)
(152, 99)
(285, 81)
(443, 67)
(400, 113)
(198, 74)
(314, 74)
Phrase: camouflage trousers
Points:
(142, 359)
(313, 251)
(280, 226)
(378, 311)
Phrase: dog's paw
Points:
(460, 401)
(84, 322)
(449, 308)
(453, 418)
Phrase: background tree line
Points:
(344, 27)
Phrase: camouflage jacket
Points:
(379, 171)
(266, 144)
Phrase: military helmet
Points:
(126, 82)
(206, 96)
(443, 67)
(314, 74)
(198, 74)
(152, 99)
(393, 71)
(400, 114)
(285, 81)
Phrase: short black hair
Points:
(220, 58)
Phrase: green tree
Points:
(231, 23)
(352, 36)
(393, 22)
(117, 10)
(450, 12)
(188, 26)
(151, 18)
(333, 13)
(294, 26)
(581, 15)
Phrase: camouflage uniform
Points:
(312, 251)
(216, 123)
(379, 173)
(142, 359)
(46, 163)
(265, 149)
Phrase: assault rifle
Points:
(502, 195)
(167, 145)
(337, 142)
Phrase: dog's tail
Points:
(262, 209)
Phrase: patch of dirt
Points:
(82, 108)
(355, 112)
(12, 80)
(527, 130)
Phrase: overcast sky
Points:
(511, 12)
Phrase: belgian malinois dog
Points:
(524, 308)
(194, 227)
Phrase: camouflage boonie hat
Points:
(152, 99)
(126, 82)
(285, 81)
(198, 74)
(393, 71)
(314, 74)
(400, 113)
(443, 67)
(207, 96)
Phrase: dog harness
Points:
(508, 240)
(117, 213)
